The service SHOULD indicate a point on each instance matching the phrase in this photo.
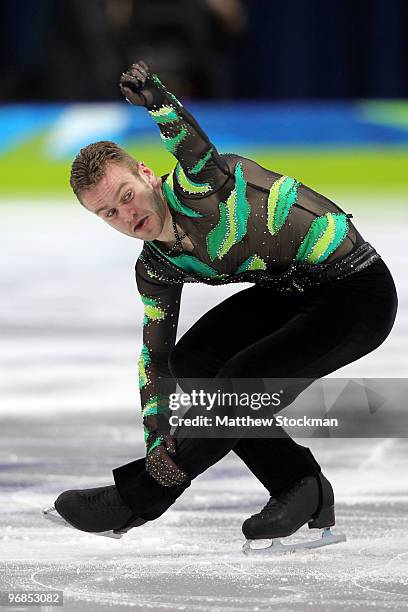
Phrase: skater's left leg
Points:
(364, 309)
(277, 462)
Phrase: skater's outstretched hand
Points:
(159, 464)
(134, 84)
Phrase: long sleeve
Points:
(161, 311)
(200, 168)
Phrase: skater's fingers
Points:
(161, 466)
(168, 460)
(130, 81)
(134, 73)
(157, 466)
(137, 99)
(164, 481)
(134, 81)
(140, 74)
(137, 72)
(140, 65)
(162, 475)
(171, 481)
(144, 66)
(128, 75)
(127, 91)
(170, 445)
(174, 472)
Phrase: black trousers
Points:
(258, 333)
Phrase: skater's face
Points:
(131, 203)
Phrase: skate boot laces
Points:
(278, 501)
(104, 499)
(272, 504)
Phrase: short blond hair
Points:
(89, 165)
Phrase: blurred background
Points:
(313, 89)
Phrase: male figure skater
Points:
(322, 297)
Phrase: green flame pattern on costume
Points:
(159, 84)
(252, 263)
(172, 142)
(232, 225)
(165, 114)
(152, 310)
(151, 408)
(144, 362)
(282, 196)
(201, 162)
(325, 234)
(173, 200)
(155, 405)
(189, 263)
(152, 274)
(189, 186)
(155, 444)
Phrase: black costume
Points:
(322, 298)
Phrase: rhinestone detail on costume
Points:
(252, 263)
(201, 162)
(232, 225)
(188, 185)
(173, 200)
(144, 362)
(189, 263)
(152, 310)
(282, 196)
(324, 236)
(159, 84)
(165, 114)
(172, 142)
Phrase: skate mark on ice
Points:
(194, 564)
(116, 599)
(365, 574)
(212, 563)
(295, 593)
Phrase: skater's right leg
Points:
(276, 462)
(147, 498)
(277, 466)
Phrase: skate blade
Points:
(52, 515)
(277, 546)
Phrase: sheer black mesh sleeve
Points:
(161, 303)
(200, 169)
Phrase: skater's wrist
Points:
(153, 443)
(156, 438)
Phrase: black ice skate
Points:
(310, 500)
(100, 511)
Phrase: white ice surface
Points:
(69, 412)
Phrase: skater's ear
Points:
(147, 174)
